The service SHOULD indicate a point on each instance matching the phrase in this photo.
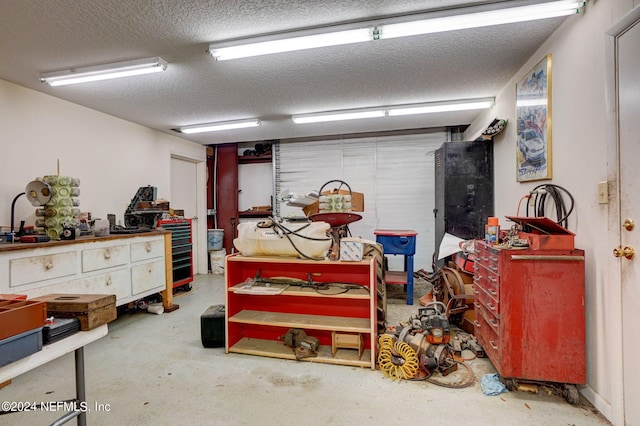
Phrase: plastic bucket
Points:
(214, 239)
(216, 257)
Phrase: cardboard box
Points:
(351, 249)
(93, 310)
(357, 202)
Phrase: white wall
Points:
(110, 156)
(579, 142)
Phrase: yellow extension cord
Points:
(388, 346)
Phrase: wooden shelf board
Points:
(252, 159)
(395, 277)
(277, 349)
(312, 322)
(310, 292)
(288, 260)
(255, 214)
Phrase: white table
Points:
(49, 352)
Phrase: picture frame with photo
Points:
(533, 117)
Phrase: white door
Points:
(628, 78)
(184, 187)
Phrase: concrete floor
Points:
(152, 370)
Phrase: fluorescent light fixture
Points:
(223, 125)
(352, 114)
(479, 18)
(424, 108)
(498, 13)
(286, 43)
(104, 72)
(447, 106)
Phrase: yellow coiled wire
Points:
(389, 347)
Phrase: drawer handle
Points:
(148, 247)
(48, 266)
(543, 257)
(493, 267)
(493, 323)
(109, 281)
(474, 290)
(492, 278)
(493, 345)
(107, 254)
(491, 306)
(477, 324)
(492, 292)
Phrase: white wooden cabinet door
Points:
(147, 276)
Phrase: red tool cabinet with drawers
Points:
(530, 312)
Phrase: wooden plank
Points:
(294, 290)
(277, 349)
(167, 294)
(314, 322)
(288, 260)
(395, 277)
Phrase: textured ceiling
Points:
(39, 36)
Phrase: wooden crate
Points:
(93, 310)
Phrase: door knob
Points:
(628, 224)
(627, 252)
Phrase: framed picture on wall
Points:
(533, 114)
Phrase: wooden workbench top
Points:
(86, 239)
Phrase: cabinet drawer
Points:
(147, 250)
(398, 244)
(488, 338)
(116, 282)
(493, 321)
(106, 257)
(148, 276)
(41, 268)
(487, 281)
(487, 301)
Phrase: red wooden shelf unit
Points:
(255, 323)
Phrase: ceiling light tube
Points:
(287, 43)
(447, 106)
(338, 115)
(223, 125)
(475, 19)
(104, 72)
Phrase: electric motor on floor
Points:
(212, 327)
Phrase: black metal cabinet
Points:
(464, 191)
(182, 253)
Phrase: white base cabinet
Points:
(129, 266)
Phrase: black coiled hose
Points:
(540, 195)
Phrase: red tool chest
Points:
(530, 312)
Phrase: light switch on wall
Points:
(603, 193)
